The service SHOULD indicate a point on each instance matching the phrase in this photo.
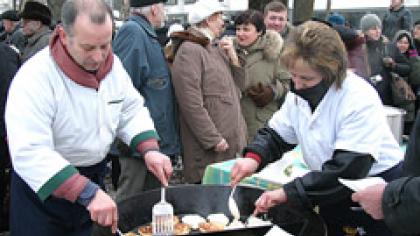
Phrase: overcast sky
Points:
(344, 4)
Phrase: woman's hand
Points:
(243, 167)
(269, 199)
(226, 43)
(221, 146)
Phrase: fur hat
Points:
(368, 21)
(203, 9)
(336, 19)
(36, 11)
(143, 3)
(10, 15)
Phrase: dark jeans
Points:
(4, 185)
(30, 216)
(347, 218)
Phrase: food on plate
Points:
(253, 221)
(181, 229)
(193, 220)
(236, 224)
(209, 227)
(218, 218)
(145, 230)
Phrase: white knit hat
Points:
(176, 27)
(203, 9)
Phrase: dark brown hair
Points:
(253, 17)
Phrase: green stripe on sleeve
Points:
(142, 137)
(52, 184)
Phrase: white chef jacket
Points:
(54, 124)
(351, 118)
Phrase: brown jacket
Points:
(208, 99)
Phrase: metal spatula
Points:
(233, 207)
(162, 217)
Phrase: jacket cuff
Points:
(142, 137)
(56, 181)
(393, 209)
(253, 156)
(71, 188)
(147, 145)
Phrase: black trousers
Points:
(4, 184)
(55, 216)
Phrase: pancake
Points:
(209, 227)
(145, 230)
(181, 229)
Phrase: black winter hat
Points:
(10, 15)
(36, 11)
(143, 3)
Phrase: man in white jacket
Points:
(65, 107)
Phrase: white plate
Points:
(276, 231)
(360, 184)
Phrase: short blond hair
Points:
(320, 47)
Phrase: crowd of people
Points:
(74, 94)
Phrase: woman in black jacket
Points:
(338, 121)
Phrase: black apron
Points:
(55, 216)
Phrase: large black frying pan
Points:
(208, 199)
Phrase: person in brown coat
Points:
(212, 126)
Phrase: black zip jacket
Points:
(401, 199)
(316, 187)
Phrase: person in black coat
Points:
(9, 64)
(398, 202)
(384, 58)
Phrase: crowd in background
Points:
(212, 87)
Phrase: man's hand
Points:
(103, 210)
(243, 167)
(370, 199)
(160, 165)
(221, 146)
(269, 199)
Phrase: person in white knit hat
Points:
(206, 75)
